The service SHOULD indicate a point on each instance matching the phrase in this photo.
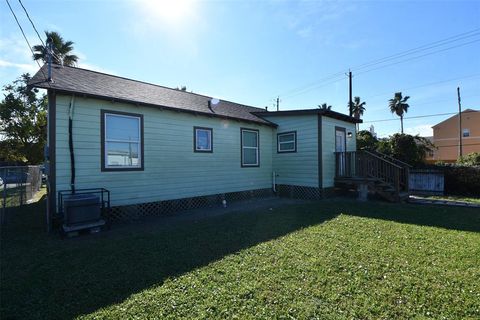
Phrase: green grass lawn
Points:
(332, 259)
(456, 198)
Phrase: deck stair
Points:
(384, 175)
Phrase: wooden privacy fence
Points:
(427, 181)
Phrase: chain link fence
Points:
(18, 185)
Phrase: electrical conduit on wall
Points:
(70, 144)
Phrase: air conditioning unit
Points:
(83, 209)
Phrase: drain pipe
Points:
(70, 144)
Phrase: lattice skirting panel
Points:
(136, 211)
(298, 192)
(302, 192)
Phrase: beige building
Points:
(446, 137)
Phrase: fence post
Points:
(4, 194)
(397, 181)
(407, 178)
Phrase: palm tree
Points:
(399, 106)
(61, 50)
(324, 106)
(357, 108)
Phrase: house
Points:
(446, 137)
(156, 148)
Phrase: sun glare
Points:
(168, 11)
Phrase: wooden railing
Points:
(392, 159)
(367, 165)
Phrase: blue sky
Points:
(253, 51)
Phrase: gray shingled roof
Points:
(96, 84)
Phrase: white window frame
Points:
(280, 143)
(467, 132)
(107, 140)
(257, 148)
(210, 135)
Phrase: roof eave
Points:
(163, 107)
(327, 113)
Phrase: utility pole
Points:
(49, 58)
(460, 133)
(350, 101)
(278, 103)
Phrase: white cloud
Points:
(15, 48)
(22, 67)
(94, 67)
(305, 32)
(306, 17)
(424, 130)
(15, 58)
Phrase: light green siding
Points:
(171, 169)
(328, 146)
(297, 168)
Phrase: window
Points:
(122, 145)
(250, 147)
(202, 139)
(287, 142)
(466, 132)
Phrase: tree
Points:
(471, 159)
(366, 141)
(324, 106)
(62, 50)
(358, 108)
(406, 148)
(399, 106)
(23, 123)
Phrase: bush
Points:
(462, 180)
(471, 159)
(406, 148)
(366, 141)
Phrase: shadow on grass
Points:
(45, 277)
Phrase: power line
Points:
(385, 66)
(23, 33)
(314, 87)
(426, 85)
(429, 102)
(314, 84)
(422, 116)
(420, 56)
(36, 31)
(425, 47)
(33, 24)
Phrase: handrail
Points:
(392, 158)
(367, 165)
(378, 157)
